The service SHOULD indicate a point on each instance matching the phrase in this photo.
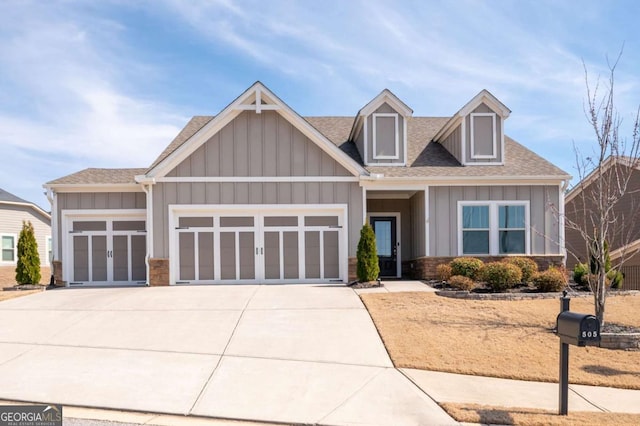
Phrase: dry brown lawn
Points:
(8, 276)
(473, 413)
(508, 339)
(6, 295)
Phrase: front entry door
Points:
(386, 243)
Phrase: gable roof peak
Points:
(388, 96)
(484, 96)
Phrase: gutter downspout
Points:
(52, 197)
(561, 220)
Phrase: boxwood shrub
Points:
(528, 267)
(443, 271)
(553, 279)
(466, 266)
(500, 276)
(462, 283)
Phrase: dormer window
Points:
(386, 141)
(483, 135)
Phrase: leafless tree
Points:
(598, 215)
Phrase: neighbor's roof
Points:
(99, 176)
(9, 198)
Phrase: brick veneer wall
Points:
(158, 272)
(425, 267)
(352, 273)
(57, 273)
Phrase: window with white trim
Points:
(386, 140)
(8, 247)
(484, 143)
(493, 227)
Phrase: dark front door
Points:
(385, 230)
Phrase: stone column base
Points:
(57, 273)
(352, 273)
(158, 272)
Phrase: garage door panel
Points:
(138, 253)
(331, 258)
(247, 256)
(120, 258)
(227, 255)
(99, 258)
(187, 256)
(312, 254)
(272, 255)
(290, 250)
(80, 258)
(205, 256)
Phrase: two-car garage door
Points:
(249, 245)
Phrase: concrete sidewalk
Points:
(447, 387)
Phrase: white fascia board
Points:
(30, 205)
(487, 98)
(232, 111)
(234, 179)
(386, 96)
(103, 187)
(398, 182)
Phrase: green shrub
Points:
(579, 274)
(553, 279)
(466, 266)
(527, 266)
(443, 271)
(501, 275)
(615, 278)
(462, 283)
(28, 266)
(368, 268)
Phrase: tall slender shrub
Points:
(368, 267)
(28, 267)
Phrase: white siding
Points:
(11, 217)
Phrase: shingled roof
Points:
(8, 197)
(425, 157)
(99, 176)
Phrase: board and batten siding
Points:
(443, 215)
(452, 143)
(418, 224)
(263, 144)
(11, 217)
(97, 201)
(482, 108)
(259, 145)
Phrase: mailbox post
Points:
(572, 329)
(563, 402)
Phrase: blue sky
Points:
(109, 83)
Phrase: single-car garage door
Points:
(252, 245)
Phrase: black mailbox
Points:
(578, 329)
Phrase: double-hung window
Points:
(8, 247)
(493, 227)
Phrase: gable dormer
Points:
(380, 131)
(475, 134)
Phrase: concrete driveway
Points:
(295, 354)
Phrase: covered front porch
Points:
(401, 227)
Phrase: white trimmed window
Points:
(386, 140)
(8, 247)
(484, 143)
(493, 227)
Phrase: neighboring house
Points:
(260, 194)
(624, 246)
(13, 211)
